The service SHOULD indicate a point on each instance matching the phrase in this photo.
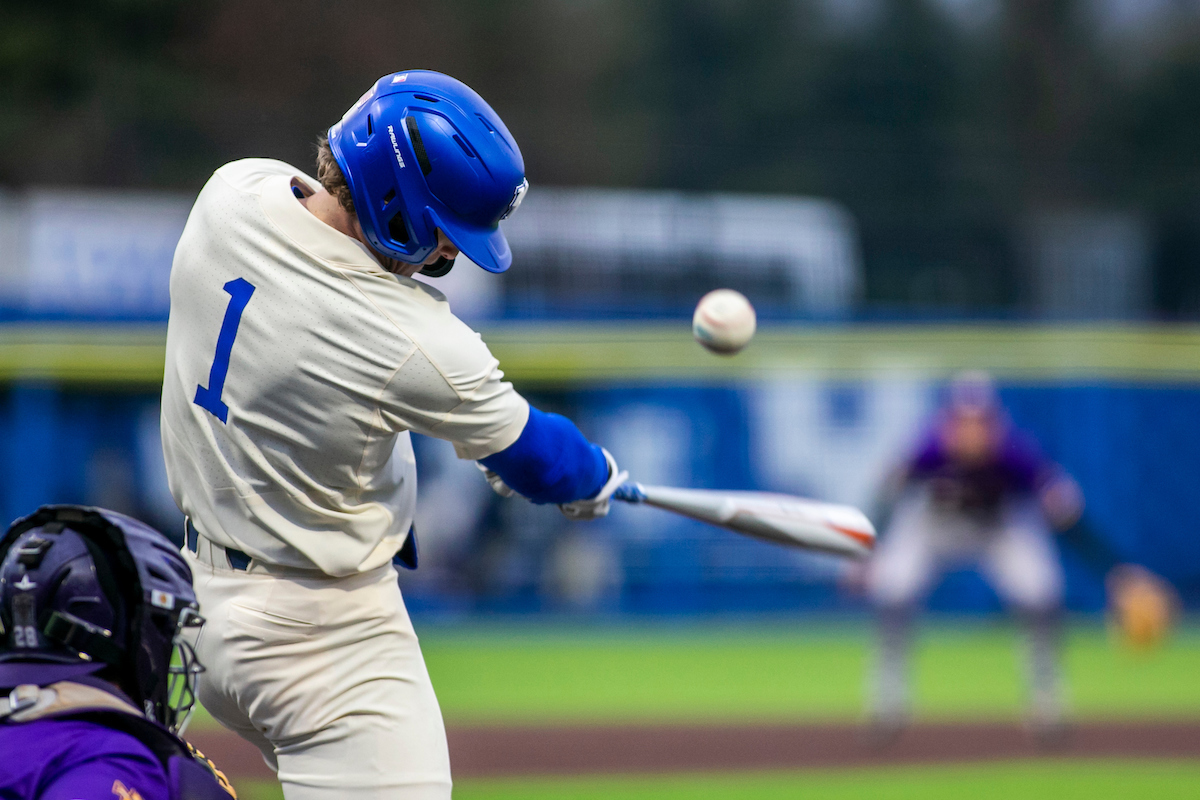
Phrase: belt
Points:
(406, 557)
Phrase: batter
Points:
(301, 352)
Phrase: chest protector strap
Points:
(190, 774)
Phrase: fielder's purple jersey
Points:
(1017, 467)
(69, 759)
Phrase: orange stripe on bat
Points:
(865, 539)
(858, 536)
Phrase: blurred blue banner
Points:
(1135, 449)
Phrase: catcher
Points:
(97, 677)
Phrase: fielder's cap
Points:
(973, 391)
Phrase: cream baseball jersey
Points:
(294, 362)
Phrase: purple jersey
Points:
(1017, 467)
(70, 759)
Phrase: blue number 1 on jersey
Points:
(210, 398)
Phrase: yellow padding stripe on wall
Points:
(563, 354)
(92, 354)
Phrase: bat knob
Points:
(629, 493)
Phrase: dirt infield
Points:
(496, 751)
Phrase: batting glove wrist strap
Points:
(595, 507)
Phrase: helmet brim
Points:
(487, 247)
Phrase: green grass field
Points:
(1064, 780)
(1028, 781)
(695, 673)
(776, 673)
(504, 674)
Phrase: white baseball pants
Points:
(325, 676)
(1014, 551)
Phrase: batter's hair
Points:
(330, 174)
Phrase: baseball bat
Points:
(780, 518)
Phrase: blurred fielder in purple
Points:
(977, 492)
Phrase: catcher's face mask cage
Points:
(183, 672)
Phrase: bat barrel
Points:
(784, 519)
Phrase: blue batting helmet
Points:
(422, 151)
(86, 590)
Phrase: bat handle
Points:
(630, 492)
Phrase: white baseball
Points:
(724, 321)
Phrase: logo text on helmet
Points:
(366, 96)
(162, 599)
(400, 78)
(396, 146)
(515, 203)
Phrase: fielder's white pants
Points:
(1013, 549)
(325, 676)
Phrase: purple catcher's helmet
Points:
(422, 151)
(85, 590)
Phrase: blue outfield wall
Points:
(83, 446)
(1134, 448)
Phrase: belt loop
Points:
(190, 535)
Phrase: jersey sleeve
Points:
(928, 457)
(451, 387)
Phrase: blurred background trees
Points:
(951, 129)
